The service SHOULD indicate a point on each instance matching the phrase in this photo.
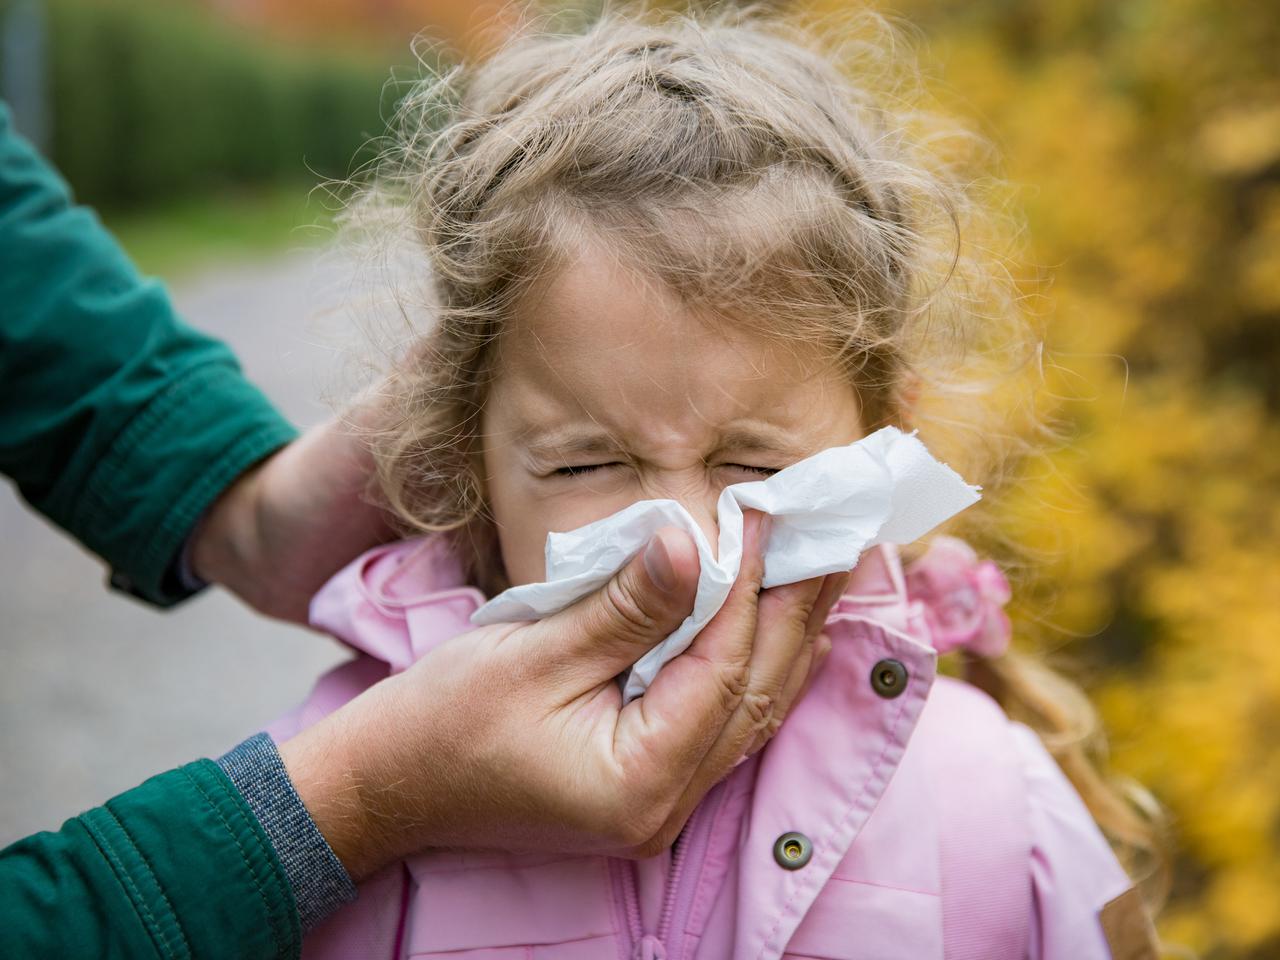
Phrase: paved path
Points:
(98, 692)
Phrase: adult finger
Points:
(789, 692)
(818, 656)
(802, 672)
(833, 586)
(604, 633)
(694, 695)
(778, 639)
(782, 640)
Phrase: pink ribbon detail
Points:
(962, 598)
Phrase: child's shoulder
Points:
(971, 746)
(1005, 809)
(968, 742)
(951, 699)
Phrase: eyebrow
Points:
(752, 441)
(559, 442)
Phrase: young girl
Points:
(661, 257)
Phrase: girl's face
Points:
(607, 390)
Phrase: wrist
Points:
(222, 541)
(319, 882)
(346, 776)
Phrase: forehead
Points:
(605, 344)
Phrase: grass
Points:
(179, 238)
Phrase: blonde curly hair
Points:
(778, 175)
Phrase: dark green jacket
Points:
(117, 421)
(121, 425)
(177, 867)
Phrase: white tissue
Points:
(827, 509)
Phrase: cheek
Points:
(521, 539)
(525, 509)
(520, 531)
(524, 518)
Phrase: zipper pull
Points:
(650, 948)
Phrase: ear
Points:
(908, 396)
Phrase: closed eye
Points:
(585, 468)
(762, 471)
(581, 469)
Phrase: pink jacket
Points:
(969, 844)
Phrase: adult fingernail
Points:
(766, 526)
(658, 564)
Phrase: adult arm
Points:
(124, 426)
(118, 422)
(178, 867)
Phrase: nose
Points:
(694, 487)
(702, 508)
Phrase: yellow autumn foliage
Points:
(1142, 138)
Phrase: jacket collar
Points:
(398, 601)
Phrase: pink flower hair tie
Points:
(962, 598)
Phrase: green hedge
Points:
(157, 101)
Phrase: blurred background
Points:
(1142, 140)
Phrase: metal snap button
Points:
(889, 678)
(792, 851)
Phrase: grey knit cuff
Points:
(319, 881)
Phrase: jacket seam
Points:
(244, 856)
(884, 886)
(177, 921)
(125, 879)
(701, 891)
(161, 543)
(617, 912)
(132, 434)
(290, 916)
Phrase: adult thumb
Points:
(607, 631)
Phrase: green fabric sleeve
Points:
(118, 422)
(175, 868)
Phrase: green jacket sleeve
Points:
(117, 421)
(177, 867)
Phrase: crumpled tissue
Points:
(827, 509)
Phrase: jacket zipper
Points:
(631, 903)
(673, 879)
(648, 946)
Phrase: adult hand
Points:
(514, 736)
(288, 524)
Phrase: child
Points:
(666, 256)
